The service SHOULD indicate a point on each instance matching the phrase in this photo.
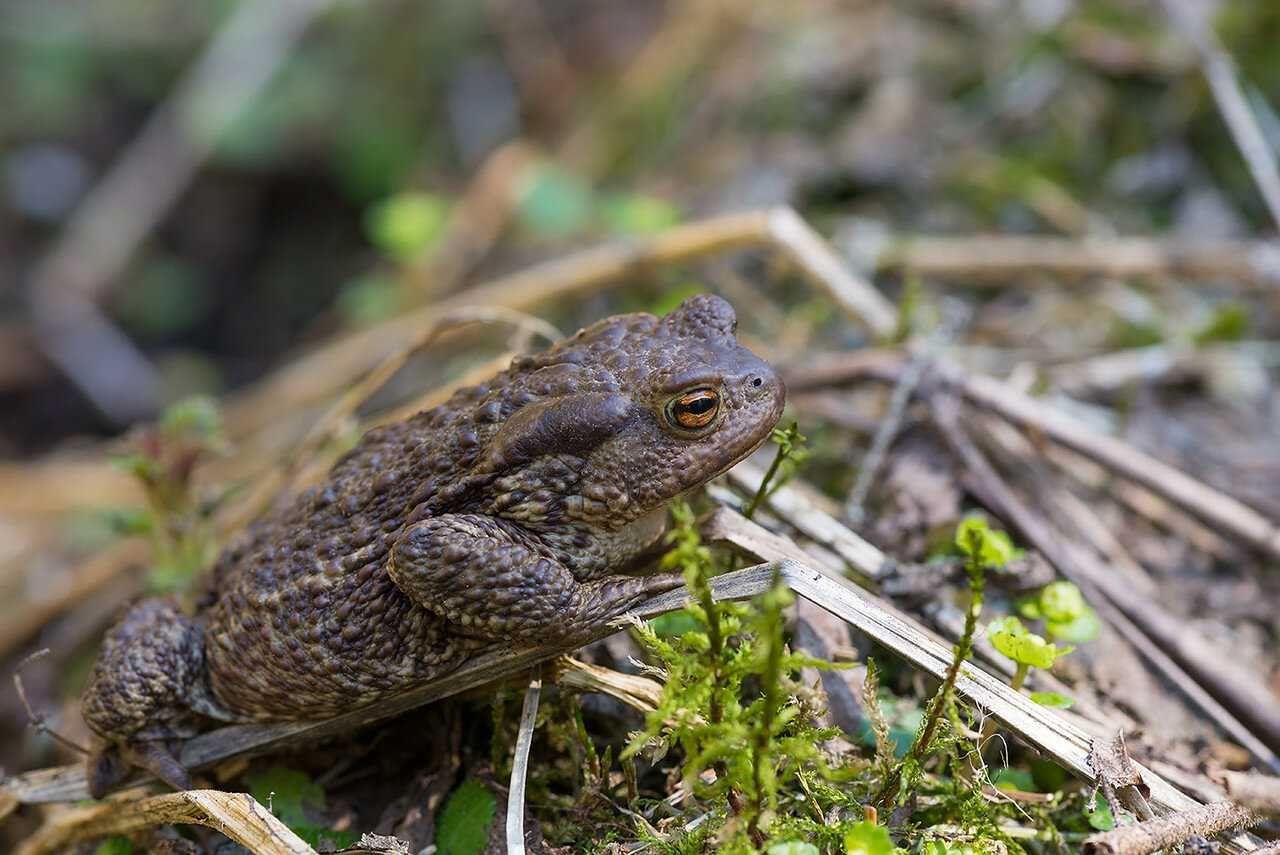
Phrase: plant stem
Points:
(1019, 676)
(939, 701)
(763, 490)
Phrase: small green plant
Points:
(791, 453)
(163, 458)
(1066, 615)
(406, 226)
(1025, 648)
(983, 548)
(296, 798)
(465, 820)
(731, 701)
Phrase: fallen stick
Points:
(1144, 837)
(998, 259)
(237, 815)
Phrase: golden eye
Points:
(693, 410)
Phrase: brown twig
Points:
(1144, 837)
(34, 719)
(237, 815)
(1259, 793)
(1000, 259)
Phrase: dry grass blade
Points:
(639, 693)
(237, 815)
(520, 769)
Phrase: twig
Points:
(36, 720)
(520, 769)
(1144, 837)
(1000, 259)
(237, 815)
(639, 693)
(955, 315)
(1260, 793)
(1220, 71)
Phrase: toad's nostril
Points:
(757, 382)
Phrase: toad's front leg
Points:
(480, 576)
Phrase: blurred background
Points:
(258, 201)
(190, 192)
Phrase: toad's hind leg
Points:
(475, 574)
(139, 695)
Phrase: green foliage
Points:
(555, 203)
(633, 214)
(1062, 607)
(1230, 322)
(1099, 815)
(731, 701)
(465, 820)
(295, 799)
(1010, 637)
(115, 846)
(984, 546)
(1053, 699)
(163, 458)
(791, 453)
(406, 226)
(867, 838)
(366, 300)
(792, 847)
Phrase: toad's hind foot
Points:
(141, 691)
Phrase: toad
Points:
(507, 515)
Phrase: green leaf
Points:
(638, 215)
(290, 794)
(1014, 779)
(369, 299)
(1083, 629)
(407, 225)
(555, 203)
(1061, 602)
(976, 539)
(673, 624)
(1229, 323)
(195, 418)
(1053, 699)
(1010, 637)
(464, 822)
(115, 846)
(867, 838)
(1099, 814)
(792, 847)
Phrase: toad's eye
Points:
(693, 410)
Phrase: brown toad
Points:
(504, 515)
